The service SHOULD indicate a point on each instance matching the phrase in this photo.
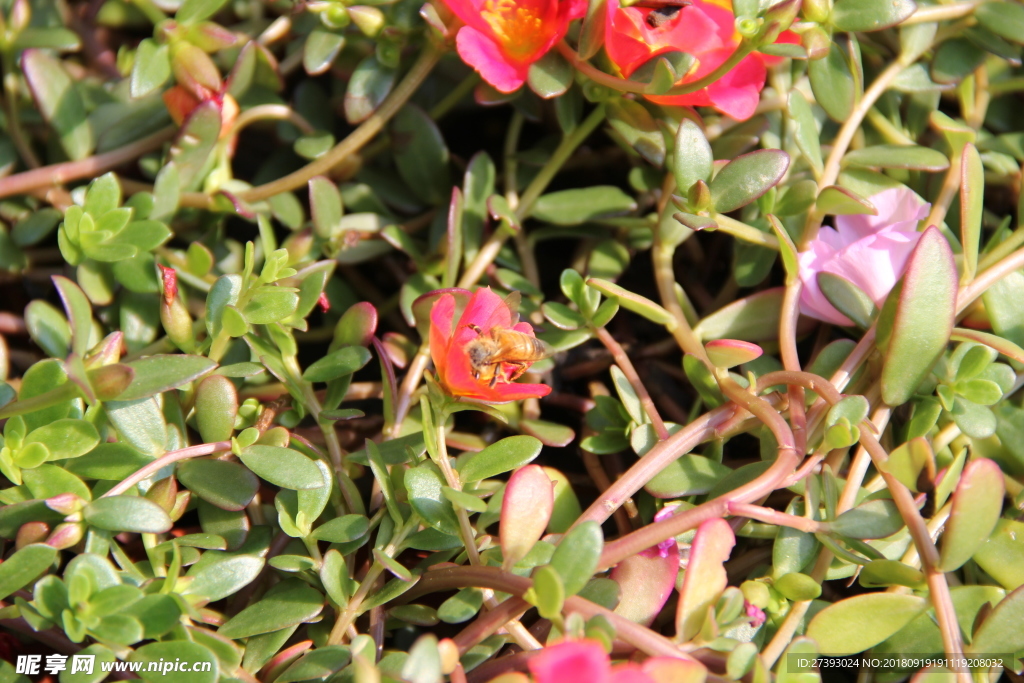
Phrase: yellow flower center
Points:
(516, 26)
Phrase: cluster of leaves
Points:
(220, 439)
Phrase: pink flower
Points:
(450, 346)
(755, 613)
(704, 29)
(502, 38)
(585, 661)
(869, 251)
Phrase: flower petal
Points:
(441, 314)
(486, 56)
(737, 93)
(576, 661)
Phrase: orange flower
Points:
(451, 343)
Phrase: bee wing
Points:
(512, 301)
(546, 350)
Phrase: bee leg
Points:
(520, 368)
(475, 328)
(494, 377)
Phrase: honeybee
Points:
(491, 355)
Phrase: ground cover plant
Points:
(511, 340)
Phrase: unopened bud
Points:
(180, 503)
(173, 314)
(779, 18)
(163, 493)
(699, 197)
(31, 532)
(336, 17)
(65, 503)
(21, 15)
(66, 535)
(370, 20)
(817, 10)
(816, 42)
(756, 593)
(449, 652)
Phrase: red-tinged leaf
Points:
(917, 320)
(705, 577)
(646, 581)
(977, 504)
(525, 510)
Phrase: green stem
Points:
(17, 133)
(455, 96)
(534, 190)
(350, 145)
(742, 231)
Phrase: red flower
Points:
(704, 29)
(502, 38)
(585, 661)
(484, 312)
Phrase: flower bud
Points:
(816, 42)
(21, 15)
(336, 17)
(699, 197)
(216, 408)
(817, 10)
(173, 314)
(756, 593)
(31, 532)
(65, 503)
(778, 18)
(180, 503)
(66, 535)
(748, 27)
(163, 493)
(449, 652)
(370, 20)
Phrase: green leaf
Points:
(461, 607)
(502, 456)
(754, 318)
(270, 304)
(424, 662)
(421, 155)
(551, 75)
(1000, 632)
(156, 654)
(573, 207)
(869, 15)
(562, 317)
(547, 592)
(577, 556)
(59, 102)
(369, 84)
(320, 50)
(282, 466)
(24, 566)
(425, 486)
(837, 200)
(1005, 19)
(633, 302)
(325, 206)
(692, 158)
(1001, 556)
(160, 373)
(225, 484)
(638, 128)
(191, 150)
(972, 196)
(67, 438)
(108, 461)
(216, 408)
(288, 603)
(343, 529)
(79, 313)
(218, 575)
(127, 513)
(747, 177)
(317, 664)
(873, 519)
(344, 361)
(911, 157)
(151, 68)
(955, 60)
(858, 623)
(917, 331)
(805, 130)
(48, 328)
(848, 299)
(833, 83)
(195, 11)
(977, 504)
